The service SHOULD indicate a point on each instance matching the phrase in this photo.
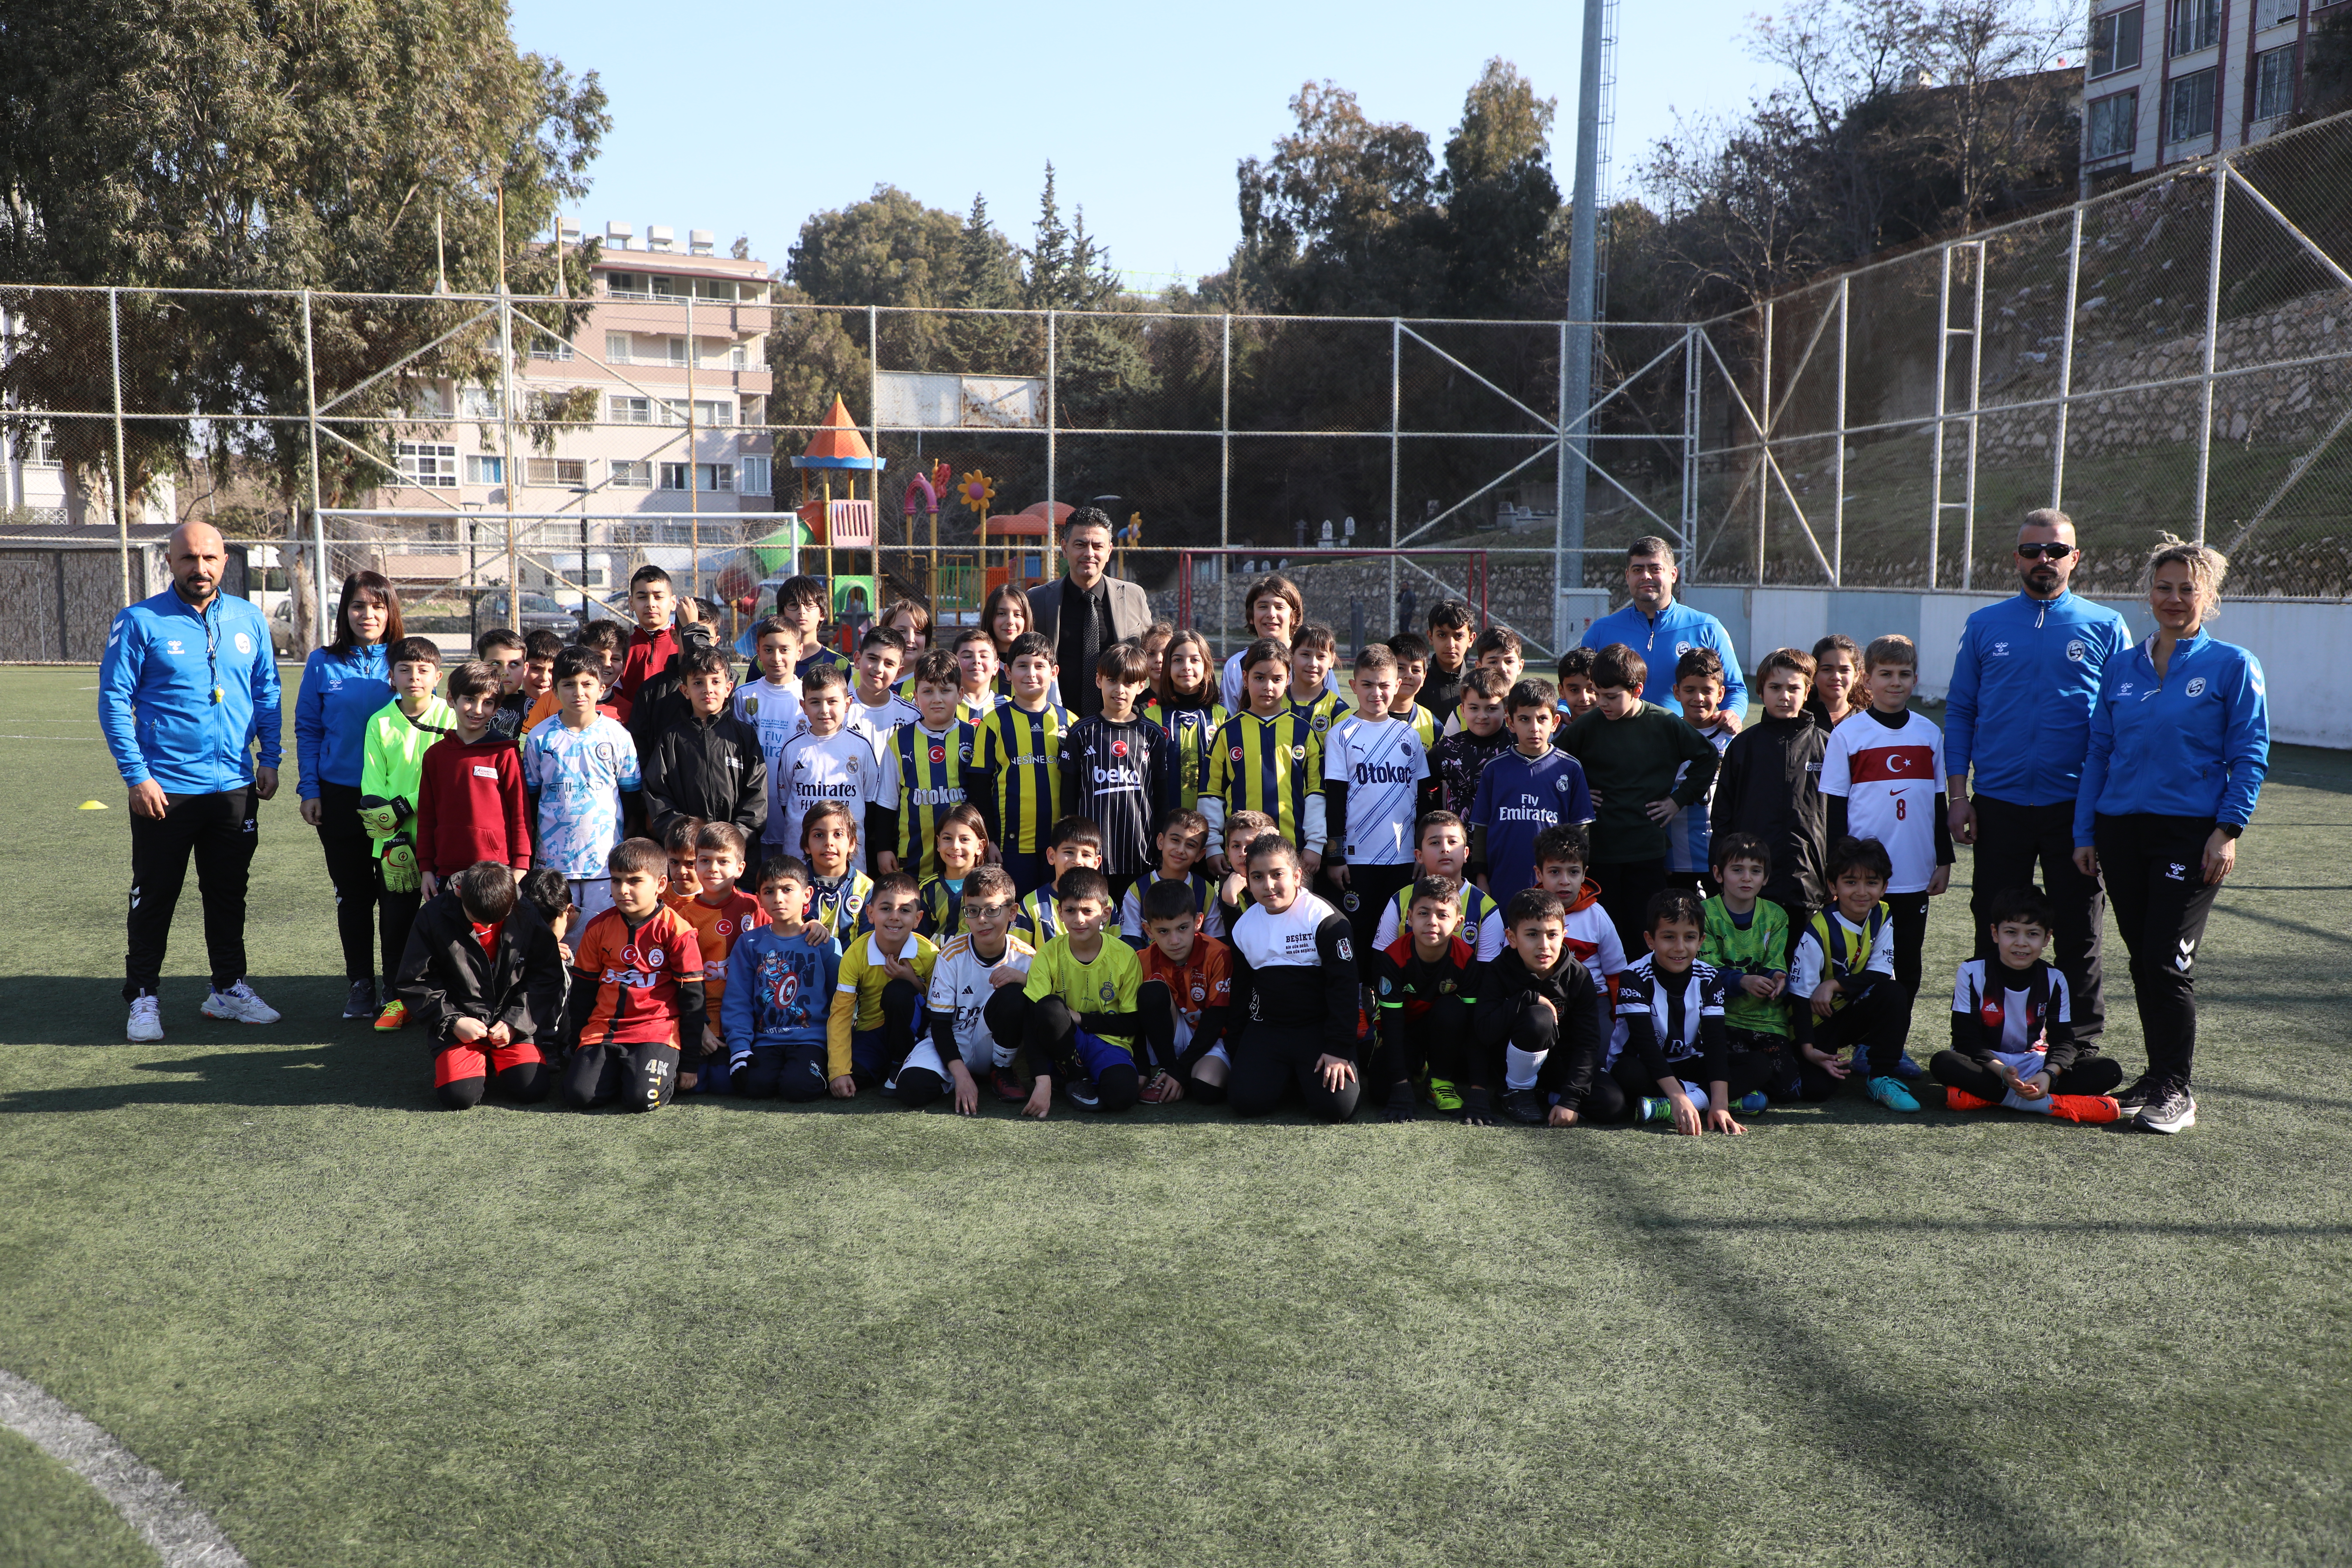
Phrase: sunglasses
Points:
(2045, 552)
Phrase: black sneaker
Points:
(1401, 1102)
(1522, 1106)
(1083, 1094)
(2137, 1094)
(361, 1003)
(2169, 1111)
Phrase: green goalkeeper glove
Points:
(400, 867)
(381, 817)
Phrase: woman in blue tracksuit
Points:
(2179, 742)
(344, 685)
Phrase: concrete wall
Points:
(2299, 643)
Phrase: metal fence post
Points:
(1052, 455)
(1225, 474)
(319, 611)
(1763, 444)
(2213, 335)
(1943, 382)
(1561, 573)
(1693, 409)
(506, 451)
(1396, 471)
(874, 434)
(1837, 506)
(2067, 364)
(694, 462)
(122, 487)
(1976, 401)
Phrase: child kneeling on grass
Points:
(1426, 986)
(1675, 1065)
(780, 988)
(976, 1006)
(877, 1001)
(1539, 1009)
(1842, 982)
(636, 984)
(2012, 1034)
(1196, 970)
(483, 976)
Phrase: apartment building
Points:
(672, 350)
(2168, 80)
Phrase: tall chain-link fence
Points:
(2176, 357)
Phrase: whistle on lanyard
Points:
(217, 695)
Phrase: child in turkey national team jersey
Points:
(1882, 777)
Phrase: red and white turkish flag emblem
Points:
(1880, 763)
(938, 753)
(1118, 748)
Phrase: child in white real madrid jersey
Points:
(828, 761)
(976, 1003)
(1372, 773)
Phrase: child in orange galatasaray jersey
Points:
(636, 978)
(1197, 974)
(719, 912)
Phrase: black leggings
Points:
(1877, 1022)
(361, 900)
(2154, 868)
(1440, 1039)
(1052, 1032)
(641, 1077)
(1006, 1014)
(2096, 1075)
(795, 1072)
(525, 1083)
(1272, 1057)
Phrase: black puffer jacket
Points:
(445, 976)
(712, 768)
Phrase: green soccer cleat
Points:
(1891, 1094)
(1444, 1095)
(1753, 1101)
(1656, 1108)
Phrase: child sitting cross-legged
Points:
(484, 977)
(780, 988)
(959, 845)
(880, 991)
(1197, 971)
(976, 1006)
(636, 984)
(2013, 1035)
(1746, 939)
(1538, 1009)
(721, 913)
(1083, 1008)
(1675, 1064)
(1842, 982)
(1425, 987)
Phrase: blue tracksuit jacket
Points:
(2194, 743)
(2024, 685)
(339, 694)
(1677, 629)
(165, 663)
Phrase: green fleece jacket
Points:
(1630, 762)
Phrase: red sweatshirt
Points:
(470, 805)
(647, 655)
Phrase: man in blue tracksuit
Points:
(1662, 631)
(189, 683)
(2018, 711)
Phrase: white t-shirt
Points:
(878, 722)
(840, 767)
(773, 711)
(1382, 764)
(959, 986)
(1890, 778)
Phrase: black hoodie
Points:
(1770, 786)
(445, 976)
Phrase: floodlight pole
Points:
(1576, 367)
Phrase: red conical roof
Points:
(839, 438)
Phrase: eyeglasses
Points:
(986, 911)
(2045, 552)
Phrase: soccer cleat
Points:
(2094, 1109)
(361, 1001)
(1401, 1102)
(1891, 1095)
(1443, 1095)
(1008, 1088)
(1753, 1101)
(1083, 1094)
(239, 1004)
(2132, 1097)
(394, 1016)
(1904, 1068)
(1522, 1106)
(1656, 1108)
(2169, 1111)
(1961, 1100)
(146, 1020)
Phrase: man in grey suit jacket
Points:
(1100, 610)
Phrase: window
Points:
(2274, 83)
(2189, 107)
(554, 471)
(2196, 25)
(485, 470)
(631, 475)
(708, 477)
(2115, 41)
(429, 402)
(632, 410)
(545, 347)
(617, 348)
(2276, 13)
(478, 402)
(673, 476)
(755, 476)
(2114, 124)
(39, 447)
(426, 464)
(626, 285)
(709, 414)
(677, 350)
(739, 357)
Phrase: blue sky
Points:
(1143, 117)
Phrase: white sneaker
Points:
(146, 1019)
(239, 1003)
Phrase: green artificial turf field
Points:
(359, 1330)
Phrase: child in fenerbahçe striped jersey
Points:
(1269, 759)
(924, 772)
(1017, 765)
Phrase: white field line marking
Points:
(179, 1531)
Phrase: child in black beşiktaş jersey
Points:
(2013, 1033)
(1541, 1011)
(1114, 769)
(1427, 985)
(1294, 1009)
(1674, 1064)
